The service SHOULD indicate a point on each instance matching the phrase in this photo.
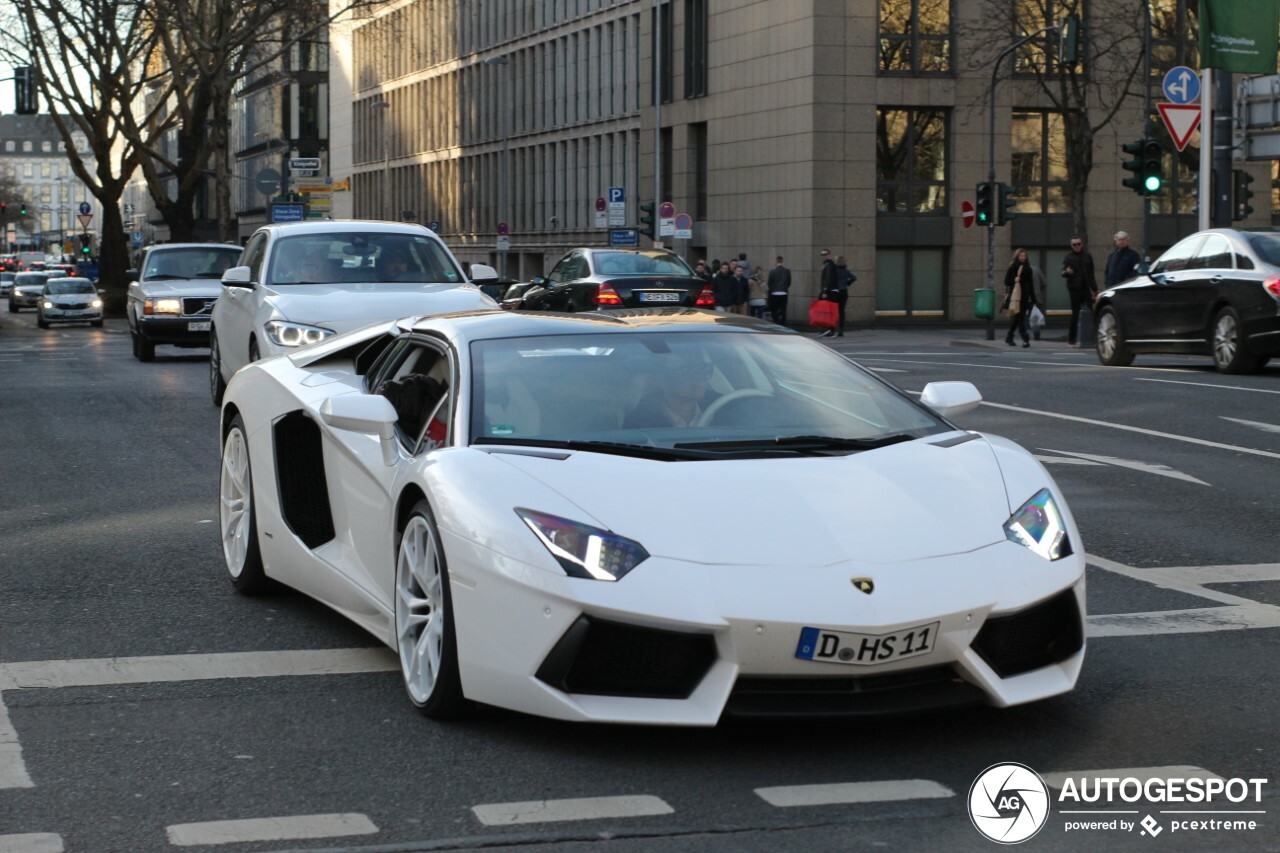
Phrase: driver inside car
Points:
(678, 396)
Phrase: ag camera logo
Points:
(1009, 803)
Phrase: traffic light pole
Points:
(991, 166)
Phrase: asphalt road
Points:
(145, 706)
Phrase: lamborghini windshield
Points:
(684, 390)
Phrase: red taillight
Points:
(1273, 287)
(606, 295)
(706, 299)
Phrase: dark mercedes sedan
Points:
(1215, 293)
(592, 279)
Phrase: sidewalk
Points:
(952, 334)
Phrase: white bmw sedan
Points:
(300, 283)
(650, 516)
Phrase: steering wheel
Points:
(710, 414)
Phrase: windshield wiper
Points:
(640, 451)
(802, 442)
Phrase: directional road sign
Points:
(304, 164)
(1182, 85)
(85, 208)
(623, 237)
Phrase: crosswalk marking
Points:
(853, 792)
(13, 771)
(270, 829)
(32, 842)
(587, 808)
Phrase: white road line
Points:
(853, 792)
(587, 808)
(1065, 460)
(1209, 385)
(1142, 774)
(885, 369)
(13, 771)
(32, 842)
(1094, 422)
(270, 829)
(859, 357)
(1191, 580)
(1145, 467)
(1204, 620)
(100, 671)
(1255, 424)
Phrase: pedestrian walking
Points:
(725, 288)
(742, 290)
(839, 294)
(701, 271)
(828, 281)
(1019, 296)
(1082, 284)
(779, 286)
(1122, 263)
(757, 294)
(747, 267)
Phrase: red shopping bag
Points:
(824, 314)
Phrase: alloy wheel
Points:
(1226, 338)
(420, 614)
(235, 504)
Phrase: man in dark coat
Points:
(1122, 263)
(1082, 283)
(725, 287)
(779, 283)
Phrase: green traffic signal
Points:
(647, 219)
(984, 206)
(1152, 165)
(22, 211)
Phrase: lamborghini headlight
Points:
(1038, 525)
(584, 551)
(284, 334)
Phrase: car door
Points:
(417, 376)
(568, 293)
(236, 307)
(1155, 313)
(1209, 275)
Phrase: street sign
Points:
(666, 210)
(85, 208)
(617, 206)
(137, 236)
(684, 226)
(624, 237)
(504, 229)
(966, 213)
(86, 219)
(504, 243)
(434, 225)
(287, 213)
(601, 213)
(1181, 85)
(304, 164)
(1181, 120)
(267, 181)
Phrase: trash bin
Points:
(984, 303)
(1086, 335)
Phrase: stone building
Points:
(32, 154)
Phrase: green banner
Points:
(1239, 35)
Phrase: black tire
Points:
(1229, 355)
(1110, 340)
(97, 324)
(437, 694)
(13, 309)
(240, 550)
(40, 321)
(217, 385)
(143, 349)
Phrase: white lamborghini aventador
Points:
(655, 516)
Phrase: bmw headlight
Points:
(1038, 525)
(584, 551)
(285, 334)
(162, 306)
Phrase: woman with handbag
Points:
(1019, 296)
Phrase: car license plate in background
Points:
(660, 297)
(819, 644)
(198, 327)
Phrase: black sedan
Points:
(1215, 293)
(591, 279)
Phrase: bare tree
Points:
(1088, 93)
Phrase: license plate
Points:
(820, 644)
(198, 327)
(661, 297)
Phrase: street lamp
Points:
(504, 120)
(385, 107)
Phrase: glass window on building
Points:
(1174, 37)
(1040, 55)
(911, 161)
(915, 37)
(911, 283)
(1038, 167)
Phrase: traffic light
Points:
(1069, 41)
(4, 209)
(1152, 165)
(985, 206)
(647, 220)
(1240, 207)
(24, 91)
(84, 244)
(22, 209)
(1134, 181)
(1008, 201)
